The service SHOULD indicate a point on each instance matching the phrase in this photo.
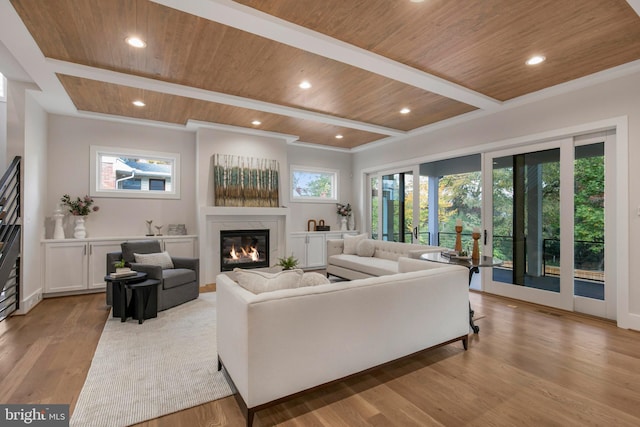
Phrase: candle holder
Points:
(458, 247)
(475, 254)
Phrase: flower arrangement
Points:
(79, 207)
(344, 210)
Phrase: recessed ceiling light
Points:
(305, 85)
(135, 42)
(138, 103)
(256, 122)
(405, 110)
(339, 136)
(416, 1)
(535, 60)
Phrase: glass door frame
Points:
(413, 170)
(565, 299)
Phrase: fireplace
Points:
(244, 249)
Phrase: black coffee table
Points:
(144, 297)
(471, 264)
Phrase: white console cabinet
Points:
(79, 265)
(310, 247)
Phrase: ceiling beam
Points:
(114, 77)
(244, 18)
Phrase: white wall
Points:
(607, 100)
(212, 141)
(3, 132)
(68, 164)
(311, 157)
(26, 137)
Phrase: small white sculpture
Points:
(58, 230)
(149, 231)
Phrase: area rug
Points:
(140, 372)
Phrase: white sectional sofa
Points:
(357, 257)
(276, 344)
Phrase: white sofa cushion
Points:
(366, 248)
(313, 279)
(370, 265)
(162, 259)
(261, 281)
(351, 243)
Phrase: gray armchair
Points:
(177, 285)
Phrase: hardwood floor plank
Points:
(529, 366)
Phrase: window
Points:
(313, 184)
(122, 172)
(157, 185)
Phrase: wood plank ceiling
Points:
(479, 46)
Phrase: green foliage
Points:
(460, 197)
(288, 263)
(312, 184)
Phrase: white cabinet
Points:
(310, 248)
(180, 247)
(98, 262)
(77, 266)
(65, 267)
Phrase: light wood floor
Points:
(529, 366)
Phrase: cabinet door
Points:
(181, 247)
(298, 247)
(65, 267)
(316, 250)
(98, 262)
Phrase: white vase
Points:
(79, 231)
(343, 223)
(58, 231)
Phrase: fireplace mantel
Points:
(235, 211)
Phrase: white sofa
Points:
(276, 344)
(346, 257)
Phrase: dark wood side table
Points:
(144, 299)
(472, 265)
(144, 296)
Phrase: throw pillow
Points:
(313, 279)
(162, 259)
(261, 281)
(351, 243)
(366, 248)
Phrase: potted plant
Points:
(288, 263)
(121, 267)
(79, 208)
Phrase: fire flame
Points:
(253, 253)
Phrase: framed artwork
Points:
(245, 181)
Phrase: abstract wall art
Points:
(245, 181)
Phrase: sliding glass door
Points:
(547, 224)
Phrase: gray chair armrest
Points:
(153, 271)
(181, 262)
(111, 258)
